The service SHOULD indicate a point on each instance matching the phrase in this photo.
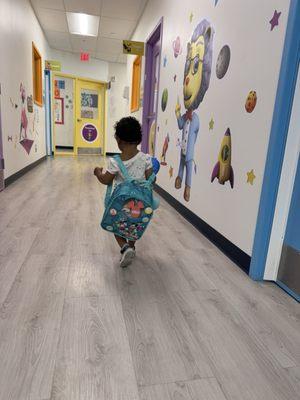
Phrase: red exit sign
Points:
(84, 56)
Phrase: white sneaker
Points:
(127, 257)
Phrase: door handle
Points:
(79, 120)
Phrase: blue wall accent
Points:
(279, 130)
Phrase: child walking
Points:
(128, 134)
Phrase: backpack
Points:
(129, 207)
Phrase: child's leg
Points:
(127, 251)
(121, 241)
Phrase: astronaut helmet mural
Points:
(197, 72)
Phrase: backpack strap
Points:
(151, 178)
(122, 167)
(127, 177)
(108, 194)
(124, 173)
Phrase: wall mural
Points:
(274, 21)
(212, 78)
(30, 104)
(177, 49)
(250, 177)
(251, 101)
(24, 140)
(197, 72)
(164, 150)
(223, 62)
(27, 134)
(164, 99)
(223, 169)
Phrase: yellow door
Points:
(90, 115)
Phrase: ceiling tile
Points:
(116, 28)
(52, 20)
(83, 43)
(127, 9)
(122, 58)
(53, 4)
(106, 57)
(59, 40)
(92, 7)
(109, 46)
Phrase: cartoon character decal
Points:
(152, 138)
(197, 74)
(164, 150)
(24, 119)
(177, 47)
(23, 139)
(223, 169)
(133, 208)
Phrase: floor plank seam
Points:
(131, 354)
(26, 257)
(142, 385)
(60, 329)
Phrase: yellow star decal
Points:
(211, 124)
(171, 172)
(191, 17)
(250, 177)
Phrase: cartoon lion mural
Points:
(197, 74)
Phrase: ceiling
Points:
(118, 19)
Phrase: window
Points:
(37, 76)
(136, 84)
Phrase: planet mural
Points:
(164, 99)
(251, 101)
(177, 49)
(223, 61)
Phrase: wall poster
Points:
(59, 111)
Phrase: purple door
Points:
(1, 152)
(151, 88)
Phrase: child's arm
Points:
(105, 179)
(148, 173)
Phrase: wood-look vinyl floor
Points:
(181, 323)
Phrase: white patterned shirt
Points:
(136, 167)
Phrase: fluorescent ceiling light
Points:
(83, 24)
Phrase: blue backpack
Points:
(129, 208)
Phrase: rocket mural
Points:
(223, 169)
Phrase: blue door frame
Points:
(48, 123)
(278, 136)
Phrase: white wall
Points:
(71, 64)
(116, 104)
(255, 62)
(18, 28)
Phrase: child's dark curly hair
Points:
(129, 130)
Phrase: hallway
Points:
(183, 322)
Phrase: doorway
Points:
(1, 152)
(283, 259)
(63, 112)
(78, 115)
(289, 267)
(48, 121)
(90, 117)
(151, 89)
